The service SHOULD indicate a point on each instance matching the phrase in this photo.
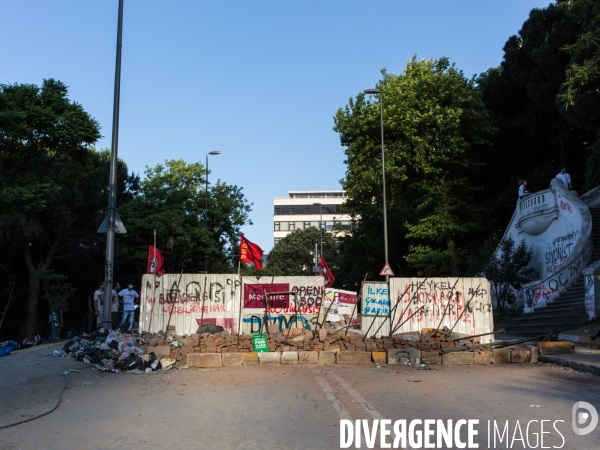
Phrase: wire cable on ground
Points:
(65, 374)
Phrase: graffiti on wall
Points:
(460, 303)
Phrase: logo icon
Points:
(579, 418)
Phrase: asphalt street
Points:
(279, 407)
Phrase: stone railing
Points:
(537, 211)
(591, 276)
(569, 265)
(591, 198)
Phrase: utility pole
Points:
(113, 221)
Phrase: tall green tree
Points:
(172, 200)
(293, 255)
(45, 167)
(435, 125)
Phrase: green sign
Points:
(260, 343)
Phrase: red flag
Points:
(155, 261)
(250, 253)
(326, 273)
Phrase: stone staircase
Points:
(565, 313)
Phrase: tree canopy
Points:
(172, 200)
(435, 124)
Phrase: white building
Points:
(304, 209)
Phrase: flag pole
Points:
(153, 285)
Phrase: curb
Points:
(589, 368)
(585, 340)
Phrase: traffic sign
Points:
(387, 271)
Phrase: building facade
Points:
(304, 209)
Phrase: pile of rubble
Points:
(301, 339)
(114, 352)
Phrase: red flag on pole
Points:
(326, 273)
(155, 261)
(250, 253)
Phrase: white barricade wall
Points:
(217, 299)
(463, 304)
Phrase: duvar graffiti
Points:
(188, 300)
(460, 303)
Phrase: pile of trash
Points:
(114, 352)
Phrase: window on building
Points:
(292, 226)
(285, 210)
(277, 210)
(285, 226)
(299, 225)
(306, 225)
(315, 209)
(277, 240)
(277, 226)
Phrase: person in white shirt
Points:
(98, 303)
(523, 188)
(129, 299)
(565, 177)
(114, 310)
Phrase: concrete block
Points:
(594, 370)
(574, 365)
(583, 367)
(289, 358)
(519, 355)
(326, 357)
(379, 357)
(534, 351)
(250, 358)
(431, 358)
(232, 359)
(204, 360)
(556, 348)
(269, 358)
(501, 355)
(406, 356)
(308, 357)
(458, 358)
(353, 358)
(161, 351)
(482, 357)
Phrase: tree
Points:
(46, 167)
(435, 124)
(579, 93)
(293, 255)
(172, 200)
(508, 270)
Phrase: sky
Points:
(258, 81)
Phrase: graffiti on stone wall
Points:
(589, 295)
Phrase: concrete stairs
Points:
(565, 313)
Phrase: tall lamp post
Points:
(216, 152)
(320, 228)
(385, 234)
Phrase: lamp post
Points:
(385, 234)
(216, 152)
(320, 228)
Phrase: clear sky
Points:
(258, 80)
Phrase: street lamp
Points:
(206, 202)
(320, 228)
(385, 235)
(206, 191)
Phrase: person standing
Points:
(98, 302)
(114, 309)
(129, 300)
(91, 313)
(565, 178)
(523, 188)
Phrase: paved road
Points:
(276, 407)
